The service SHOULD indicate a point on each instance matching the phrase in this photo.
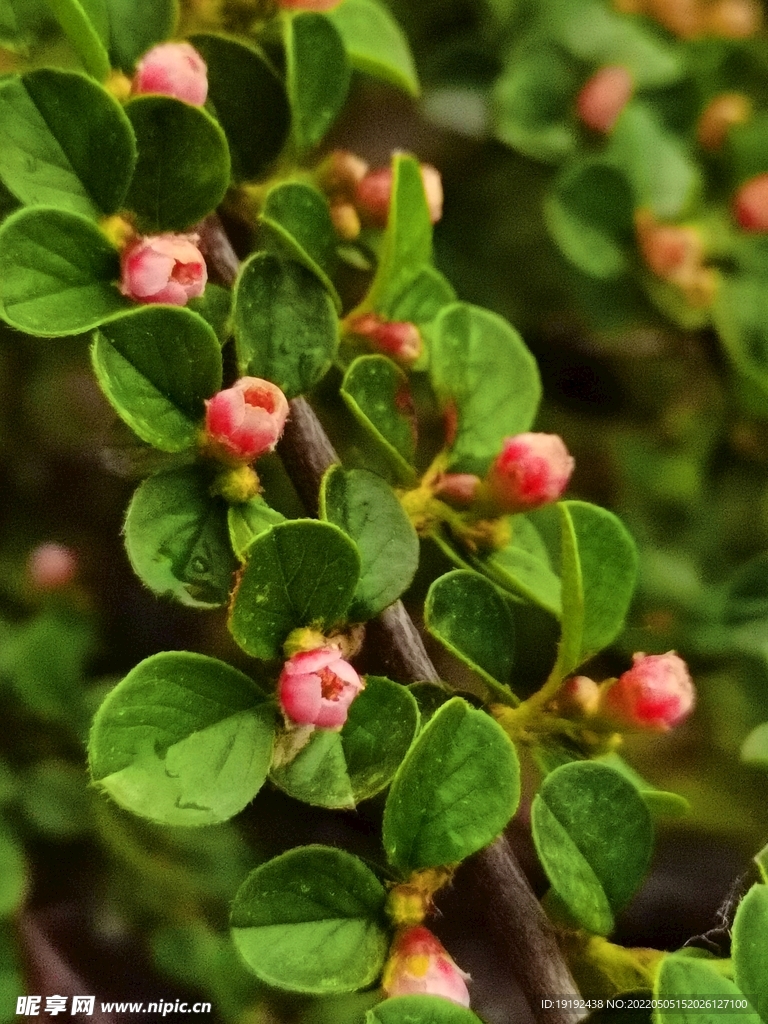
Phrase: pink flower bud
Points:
(419, 964)
(316, 688)
(457, 487)
(374, 192)
(398, 339)
(172, 69)
(163, 268)
(604, 97)
(246, 420)
(531, 470)
(656, 693)
(308, 5)
(719, 116)
(52, 566)
(751, 204)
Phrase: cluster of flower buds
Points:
(691, 19)
(245, 421)
(603, 97)
(656, 694)
(531, 470)
(358, 194)
(419, 964)
(398, 339)
(750, 205)
(316, 687)
(719, 116)
(163, 268)
(676, 254)
(172, 69)
(51, 566)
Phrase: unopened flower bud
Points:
(308, 5)
(172, 69)
(374, 193)
(246, 420)
(317, 688)
(579, 696)
(733, 19)
(52, 566)
(750, 205)
(340, 173)
(419, 964)
(163, 268)
(459, 488)
(346, 221)
(676, 253)
(604, 96)
(532, 470)
(398, 339)
(656, 693)
(719, 116)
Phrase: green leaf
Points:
(64, 142)
(375, 43)
(742, 323)
(589, 213)
(55, 800)
(13, 872)
(299, 573)
(312, 921)
(182, 172)
(468, 616)
(524, 566)
(376, 393)
(683, 979)
(247, 521)
(137, 25)
(658, 801)
(83, 35)
(407, 244)
(249, 101)
(183, 740)
(533, 103)
(285, 324)
(599, 567)
(422, 298)
(455, 791)
(480, 365)
(749, 934)
(299, 226)
(215, 307)
(177, 540)
(420, 1010)
(430, 697)
(57, 273)
(365, 508)
(23, 23)
(318, 76)
(339, 769)
(156, 366)
(593, 834)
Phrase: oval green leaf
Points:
(299, 573)
(135, 26)
(13, 872)
(312, 921)
(183, 740)
(318, 76)
(366, 509)
(455, 791)
(157, 365)
(524, 566)
(681, 979)
(593, 834)
(375, 43)
(339, 769)
(749, 938)
(420, 1010)
(285, 324)
(183, 168)
(247, 520)
(480, 365)
(57, 273)
(249, 101)
(83, 35)
(177, 540)
(64, 142)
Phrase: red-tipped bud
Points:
(719, 116)
(172, 69)
(52, 566)
(419, 964)
(398, 339)
(532, 470)
(459, 488)
(308, 5)
(656, 693)
(163, 268)
(316, 688)
(579, 696)
(374, 192)
(246, 420)
(750, 205)
(340, 173)
(604, 97)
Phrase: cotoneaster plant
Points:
(119, 180)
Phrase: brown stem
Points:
(514, 916)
